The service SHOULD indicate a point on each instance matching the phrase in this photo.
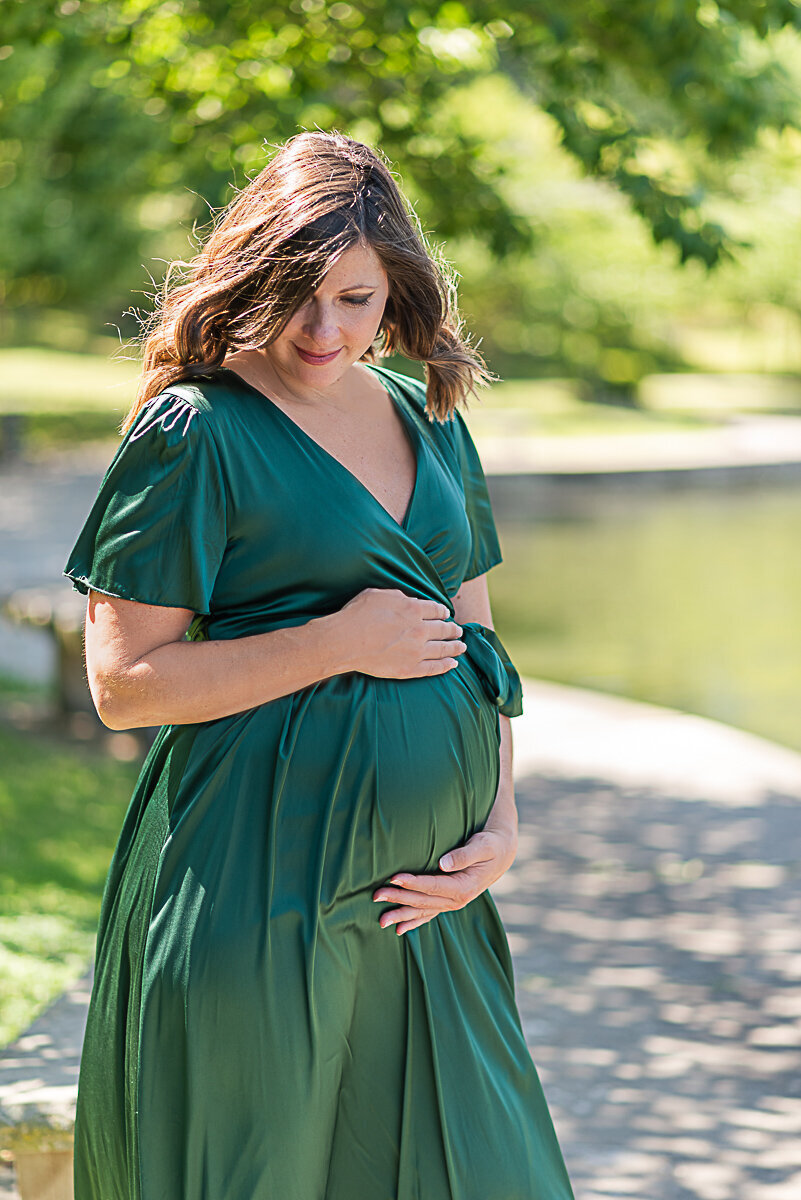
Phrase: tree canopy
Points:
(122, 119)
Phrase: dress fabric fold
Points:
(253, 1033)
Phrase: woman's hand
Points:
(384, 632)
(471, 869)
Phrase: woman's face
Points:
(337, 324)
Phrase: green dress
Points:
(253, 1033)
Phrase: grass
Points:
(39, 380)
(665, 403)
(61, 809)
(555, 408)
(13, 688)
(66, 397)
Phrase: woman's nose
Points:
(321, 323)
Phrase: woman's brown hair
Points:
(268, 252)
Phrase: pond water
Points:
(690, 599)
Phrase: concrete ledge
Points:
(528, 475)
(38, 1090)
(520, 496)
(46, 1175)
(762, 442)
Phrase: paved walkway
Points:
(653, 913)
(43, 505)
(653, 917)
(745, 440)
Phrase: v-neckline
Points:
(397, 399)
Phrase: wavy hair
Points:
(268, 251)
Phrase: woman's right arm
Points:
(142, 672)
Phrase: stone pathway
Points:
(41, 1069)
(653, 913)
(743, 440)
(43, 504)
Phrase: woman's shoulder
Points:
(205, 394)
(416, 391)
(204, 406)
(413, 389)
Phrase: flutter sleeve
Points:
(157, 530)
(486, 551)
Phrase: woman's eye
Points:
(357, 299)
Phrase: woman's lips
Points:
(317, 360)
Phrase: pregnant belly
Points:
(438, 754)
(314, 799)
(385, 775)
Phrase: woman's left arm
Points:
(473, 867)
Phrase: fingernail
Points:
(375, 898)
(446, 862)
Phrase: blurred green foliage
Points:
(596, 299)
(123, 118)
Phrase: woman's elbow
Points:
(119, 637)
(113, 702)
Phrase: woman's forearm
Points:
(503, 814)
(182, 683)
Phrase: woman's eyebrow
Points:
(355, 287)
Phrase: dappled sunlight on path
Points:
(657, 949)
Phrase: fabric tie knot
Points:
(494, 667)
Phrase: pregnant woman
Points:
(303, 990)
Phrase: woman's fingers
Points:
(442, 894)
(479, 849)
(447, 630)
(406, 918)
(471, 865)
(445, 649)
(431, 610)
(421, 900)
(404, 913)
(405, 926)
(418, 907)
(472, 868)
